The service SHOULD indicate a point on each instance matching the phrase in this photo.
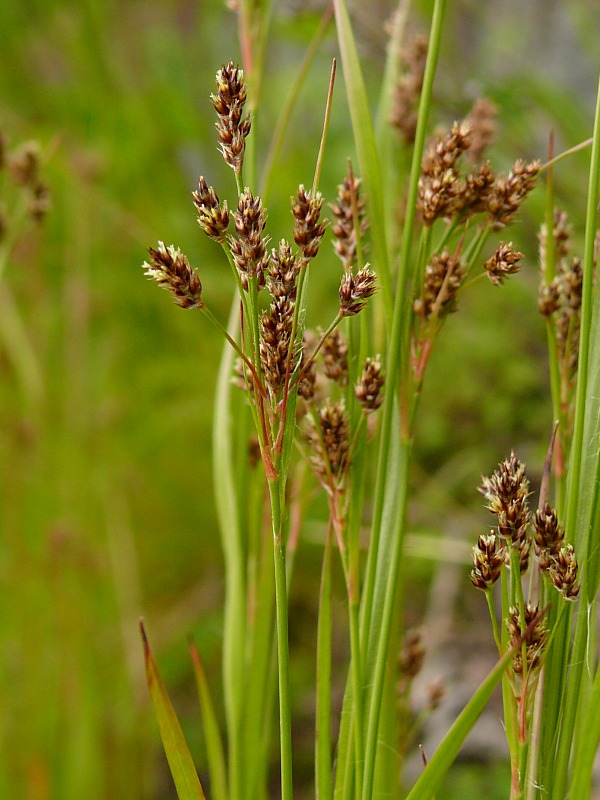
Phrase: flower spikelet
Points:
(443, 278)
(355, 290)
(283, 272)
(229, 104)
(408, 89)
(170, 268)
(335, 357)
(507, 493)
(503, 263)
(488, 558)
(308, 231)
(212, 217)
(563, 572)
(368, 389)
(535, 641)
(276, 336)
(249, 249)
(508, 192)
(329, 442)
(349, 212)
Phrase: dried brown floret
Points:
(488, 558)
(563, 572)
(349, 212)
(329, 442)
(535, 640)
(308, 231)
(368, 389)
(249, 250)
(170, 268)
(335, 357)
(443, 278)
(212, 217)
(507, 493)
(548, 536)
(408, 89)
(355, 290)
(508, 192)
(283, 272)
(503, 263)
(229, 104)
(275, 342)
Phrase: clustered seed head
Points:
(508, 192)
(212, 217)
(412, 656)
(368, 389)
(443, 278)
(489, 555)
(441, 189)
(563, 572)
(308, 231)
(249, 249)
(275, 342)
(561, 298)
(535, 640)
(408, 89)
(283, 272)
(548, 536)
(170, 268)
(355, 290)
(483, 130)
(349, 212)
(335, 357)
(507, 493)
(503, 263)
(330, 442)
(229, 104)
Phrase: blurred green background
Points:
(106, 388)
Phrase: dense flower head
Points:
(170, 268)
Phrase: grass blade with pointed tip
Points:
(212, 737)
(178, 755)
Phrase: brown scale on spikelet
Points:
(563, 572)
(249, 249)
(507, 493)
(368, 389)
(405, 102)
(349, 212)
(283, 272)
(355, 290)
(535, 640)
(443, 278)
(329, 442)
(508, 192)
(488, 558)
(441, 188)
(503, 263)
(170, 268)
(308, 231)
(548, 536)
(229, 104)
(335, 357)
(212, 217)
(483, 129)
(275, 342)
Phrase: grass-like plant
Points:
(410, 238)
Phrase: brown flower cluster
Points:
(535, 640)
(407, 92)
(444, 193)
(443, 278)
(504, 262)
(170, 268)
(349, 213)
(329, 442)
(212, 217)
(355, 290)
(229, 102)
(308, 229)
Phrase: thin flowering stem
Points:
(319, 163)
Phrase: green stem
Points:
(323, 776)
(281, 604)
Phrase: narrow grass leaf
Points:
(178, 755)
(441, 761)
(212, 736)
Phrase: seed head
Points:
(335, 357)
(488, 558)
(503, 263)
(506, 493)
(249, 250)
(355, 290)
(275, 342)
(283, 272)
(349, 215)
(368, 389)
(308, 231)
(443, 278)
(548, 536)
(535, 640)
(329, 443)
(229, 104)
(212, 218)
(563, 572)
(508, 192)
(170, 268)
